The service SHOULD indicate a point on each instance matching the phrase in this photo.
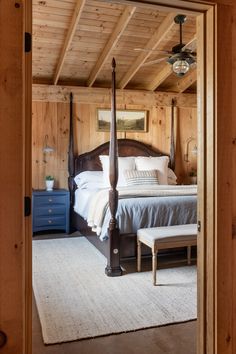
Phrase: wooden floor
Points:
(172, 339)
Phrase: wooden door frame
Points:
(15, 147)
(214, 326)
(28, 178)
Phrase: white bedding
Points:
(82, 200)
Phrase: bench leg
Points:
(138, 256)
(154, 266)
(189, 254)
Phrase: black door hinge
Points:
(28, 42)
(27, 206)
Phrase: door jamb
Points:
(206, 104)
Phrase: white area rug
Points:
(76, 300)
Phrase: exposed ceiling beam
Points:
(159, 78)
(185, 82)
(115, 36)
(167, 70)
(101, 96)
(70, 34)
(152, 44)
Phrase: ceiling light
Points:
(180, 67)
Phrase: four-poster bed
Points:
(117, 244)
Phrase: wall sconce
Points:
(46, 147)
(193, 151)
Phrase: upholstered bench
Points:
(166, 237)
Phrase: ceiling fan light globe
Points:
(180, 67)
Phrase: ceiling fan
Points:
(180, 57)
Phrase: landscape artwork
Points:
(126, 120)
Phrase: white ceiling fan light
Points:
(180, 67)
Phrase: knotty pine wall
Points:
(52, 119)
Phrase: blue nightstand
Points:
(51, 210)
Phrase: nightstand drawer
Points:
(48, 222)
(50, 210)
(49, 200)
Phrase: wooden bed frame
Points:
(117, 246)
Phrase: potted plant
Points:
(193, 176)
(49, 180)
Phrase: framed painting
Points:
(127, 120)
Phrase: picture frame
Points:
(127, 120)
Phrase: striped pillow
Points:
(135, 177)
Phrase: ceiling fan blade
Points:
(152, 50)
(191, 46)
(156, 61)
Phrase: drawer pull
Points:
(49, 210)
(50, 200)
(49, 221)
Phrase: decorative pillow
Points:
(154, 163)
(89, 179)
(134, 177)
(172, 178)
(124, 163)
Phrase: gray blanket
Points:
(135, 213)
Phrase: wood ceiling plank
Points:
(104, 29)
(49, 24)
(160, 77)
(153, 42)
(52, 3)
(117, 33)
(74, 22)
(104, 5)
(110, 17)
(185, 82)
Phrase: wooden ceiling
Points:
(74, 42)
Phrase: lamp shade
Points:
(180, 67)
(194, 150)
(46, 147)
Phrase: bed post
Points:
(172, 137)
(113, 267)
(71, 167)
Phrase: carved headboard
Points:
(90, 161)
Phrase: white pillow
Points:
(134, 177)
(172, 178)
(154, 163)
(89, 179)
(124, 163)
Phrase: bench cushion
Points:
(168, 233)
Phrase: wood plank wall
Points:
(52, 119)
